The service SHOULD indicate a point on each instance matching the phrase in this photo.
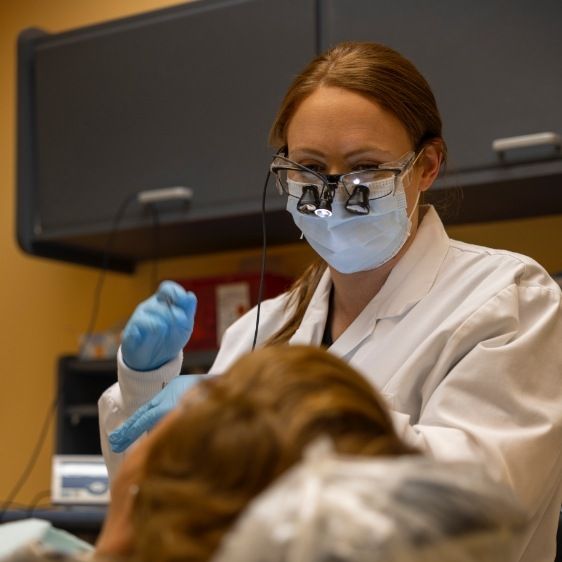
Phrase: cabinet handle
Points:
(525, 141)
(178, 193)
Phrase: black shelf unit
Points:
(81, 383)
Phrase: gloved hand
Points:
(150, 413)
(159, 328)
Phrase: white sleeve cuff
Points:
(138, 387)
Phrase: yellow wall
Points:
(45, 305)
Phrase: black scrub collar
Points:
(327, 340)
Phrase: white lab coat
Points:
(464, 342)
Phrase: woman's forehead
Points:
(335, 119)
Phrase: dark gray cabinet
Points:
(185, 97)
(496, 71)
(495, 67)
(178, 97)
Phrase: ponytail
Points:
(300, 295)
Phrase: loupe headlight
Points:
(325, 208)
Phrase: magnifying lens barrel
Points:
(309, 201)
(358, 201)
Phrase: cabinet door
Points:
(495, 67)
(183, 96)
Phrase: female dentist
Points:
(463, 341)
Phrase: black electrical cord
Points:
(263, 258)
(53, 408)
(32, 459)
(34, 503)
(105, 264)
(155, 246)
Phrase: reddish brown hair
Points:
(239, 432)
(381, 74)
(377, 72)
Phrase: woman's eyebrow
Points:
(372, 151)
(379, 153)
(303, 152)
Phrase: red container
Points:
(221, 300)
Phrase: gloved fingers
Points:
(146, 318)
(146, 323)
(189, 305)
(184, 318)
(132, 336)
(178, 386)
(172, 290)
(156, 319)
(176, 295)
(160, 313)
(131, 342)
(157, 305)
(159, 328)
(140, 422)
(165, 310)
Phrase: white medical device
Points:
(79, 479)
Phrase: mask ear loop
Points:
(412, 214)
(415, 206)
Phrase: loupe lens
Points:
(358, 202)
(309, 200)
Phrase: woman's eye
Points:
(364, 166)
(318, 168)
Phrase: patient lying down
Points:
(291, 456)
(232, 436)
(182, 490)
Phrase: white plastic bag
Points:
(36, 539)
(331, 508)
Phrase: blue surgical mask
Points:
(352, 243)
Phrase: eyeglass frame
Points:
(329, 181)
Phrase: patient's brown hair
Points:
(240, 431)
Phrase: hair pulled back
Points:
(381, 74)
(238, 432)
(375, 71)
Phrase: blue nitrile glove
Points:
(150, 413)
(159, 328)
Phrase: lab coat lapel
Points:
(414, 275)
(409, 281)
(313, 323)
(360, 328)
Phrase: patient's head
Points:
(338, 508)
(233, 435)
